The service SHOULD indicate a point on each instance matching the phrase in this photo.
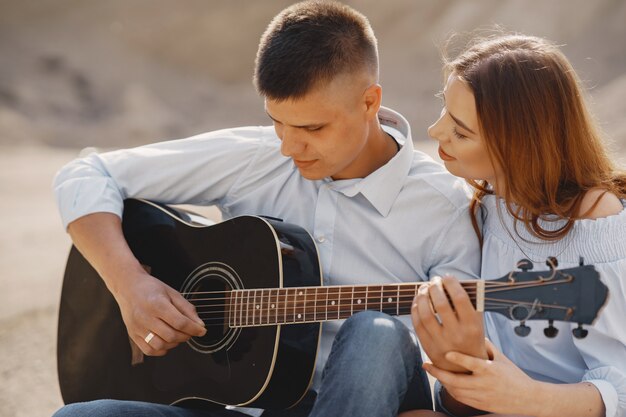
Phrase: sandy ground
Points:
(33, 247)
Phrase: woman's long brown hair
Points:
(536, 126)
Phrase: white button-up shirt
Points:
(406, 221)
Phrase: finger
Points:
(465, 396)
(493, 352)
(425, 312)
(168, 333)
(441, 304)
(468, 362)
(459, 298)
(155, 346)
(172, 316)
(447, 378)
(186, 307)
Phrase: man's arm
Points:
(147, 304)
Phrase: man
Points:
(335, 163)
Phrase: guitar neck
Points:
(272, 306)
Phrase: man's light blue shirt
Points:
(406, 221)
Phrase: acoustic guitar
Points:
(257, 285)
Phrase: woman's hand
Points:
(496, 385)
(149, 306)
(443, 327)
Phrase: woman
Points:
(514, 124)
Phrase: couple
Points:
(335, 162)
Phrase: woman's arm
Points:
(497, 385)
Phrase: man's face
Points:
(325, 133)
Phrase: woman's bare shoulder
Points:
(608, 205)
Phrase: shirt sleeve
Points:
(457, 250)
(198, 170)
(604, 348)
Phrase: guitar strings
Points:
(257, 318)
(414, 286)
(214, 322)
(349, 295)
(389, 290)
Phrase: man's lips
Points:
(304, 163)
(445, 156)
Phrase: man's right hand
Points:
(147, 304)
(151, 306)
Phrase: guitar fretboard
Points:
(271, 306)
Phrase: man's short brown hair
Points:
(311, 43)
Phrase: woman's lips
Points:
(445, 156)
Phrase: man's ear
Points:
(372, 99)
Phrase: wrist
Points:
(538, 401)
(120, 278)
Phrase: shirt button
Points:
(321, 239)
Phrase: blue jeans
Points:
(374, 369)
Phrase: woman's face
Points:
(460, 144)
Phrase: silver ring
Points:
(149, 337)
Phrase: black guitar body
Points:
(266, 366)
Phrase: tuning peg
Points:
(550, 331)
(525, 264)
(552, 262)
(522, 330)
(579, 332)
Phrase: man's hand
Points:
(443, 327)
(150, 306)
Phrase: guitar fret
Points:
(398, 300)
(265, 307)
(331, 305)
(318, 304)
(274, 305)
(254, 308)
(326, 304)
(352, 303)
(339, 304)
(304, 306)
(388, 296)
(248, 308)
(233, 309)
(359, 305)
(240, 297)
(285, 306)
(343, 300)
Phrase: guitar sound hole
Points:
(208, 289)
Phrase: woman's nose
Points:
(436, 129)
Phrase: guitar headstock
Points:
(573, 294)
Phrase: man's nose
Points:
(292, 143)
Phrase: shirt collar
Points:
(381, 187)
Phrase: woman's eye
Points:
(457, 134)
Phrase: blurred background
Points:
(109, 74)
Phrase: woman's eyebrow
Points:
(457, 121)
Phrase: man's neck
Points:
(381, 147)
